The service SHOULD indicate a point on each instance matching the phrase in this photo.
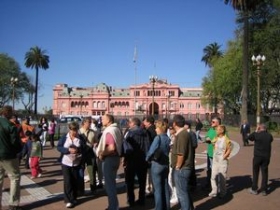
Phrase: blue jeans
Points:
(110, 167)
(161, 189)
(181, 178)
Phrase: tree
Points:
(29, 100)
(211, 53)
(245, 7)
(10, 68)
(36, 58)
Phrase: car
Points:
(69, 119)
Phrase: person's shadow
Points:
(273, 185)
(234, 185)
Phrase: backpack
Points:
(194, 139)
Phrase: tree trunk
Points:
(244, 94)
(36, 91)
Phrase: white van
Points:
(70, 118)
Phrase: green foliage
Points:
(10, 68)
(38, 59)
(224, 81)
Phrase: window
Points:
(103, 104)
(171, 93)
(137, 93)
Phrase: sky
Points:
(93, 41)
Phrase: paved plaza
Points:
(46, 193)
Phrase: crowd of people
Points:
(159, 154)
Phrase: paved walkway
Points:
(46, 192)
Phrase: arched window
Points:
(103, 104)
(94, 104)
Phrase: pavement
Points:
(46, 192)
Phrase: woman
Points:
(222, 148)
(198, 127)
(173, 195)
(160, 167)
(51, 131)
(72, 149)
(43, 125)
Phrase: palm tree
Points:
(210, 53)
(36, 58)
(245, 7)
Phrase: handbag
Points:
(158, 152)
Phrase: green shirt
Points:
(211, 133)
(36, 150)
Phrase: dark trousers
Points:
(71, 183)
(193, 180)
(51, 138)
(245, 139)
(133, 169)
(209, 170)
(260, 163)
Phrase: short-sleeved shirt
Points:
(182, 146)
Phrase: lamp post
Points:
(258, 61)
(14, 80)
(81, 107)
(168, 104)
(153, 80)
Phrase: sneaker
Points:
(254, 192)
(39, 175)
(32, 177)
(264, 193)
(174, 201)
(212, 194)
(69, 205)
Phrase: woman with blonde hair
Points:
(222, 149)
(158, 155)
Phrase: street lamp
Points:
(168, 104)
(258, 61)
(14, 80)
(153, 80)
(81, 108)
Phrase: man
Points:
(210, 135)
(262, 153)
(245, 131)
(149, 124)
(193, 179)
(109, 151)
(182, 162)
(90, 160)
(134, 160)
(25, 126)
(10, 146)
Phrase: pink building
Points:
(167, 100)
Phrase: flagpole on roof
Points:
(135, 71)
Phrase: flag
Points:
(135, 55)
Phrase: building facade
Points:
(157, 98)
